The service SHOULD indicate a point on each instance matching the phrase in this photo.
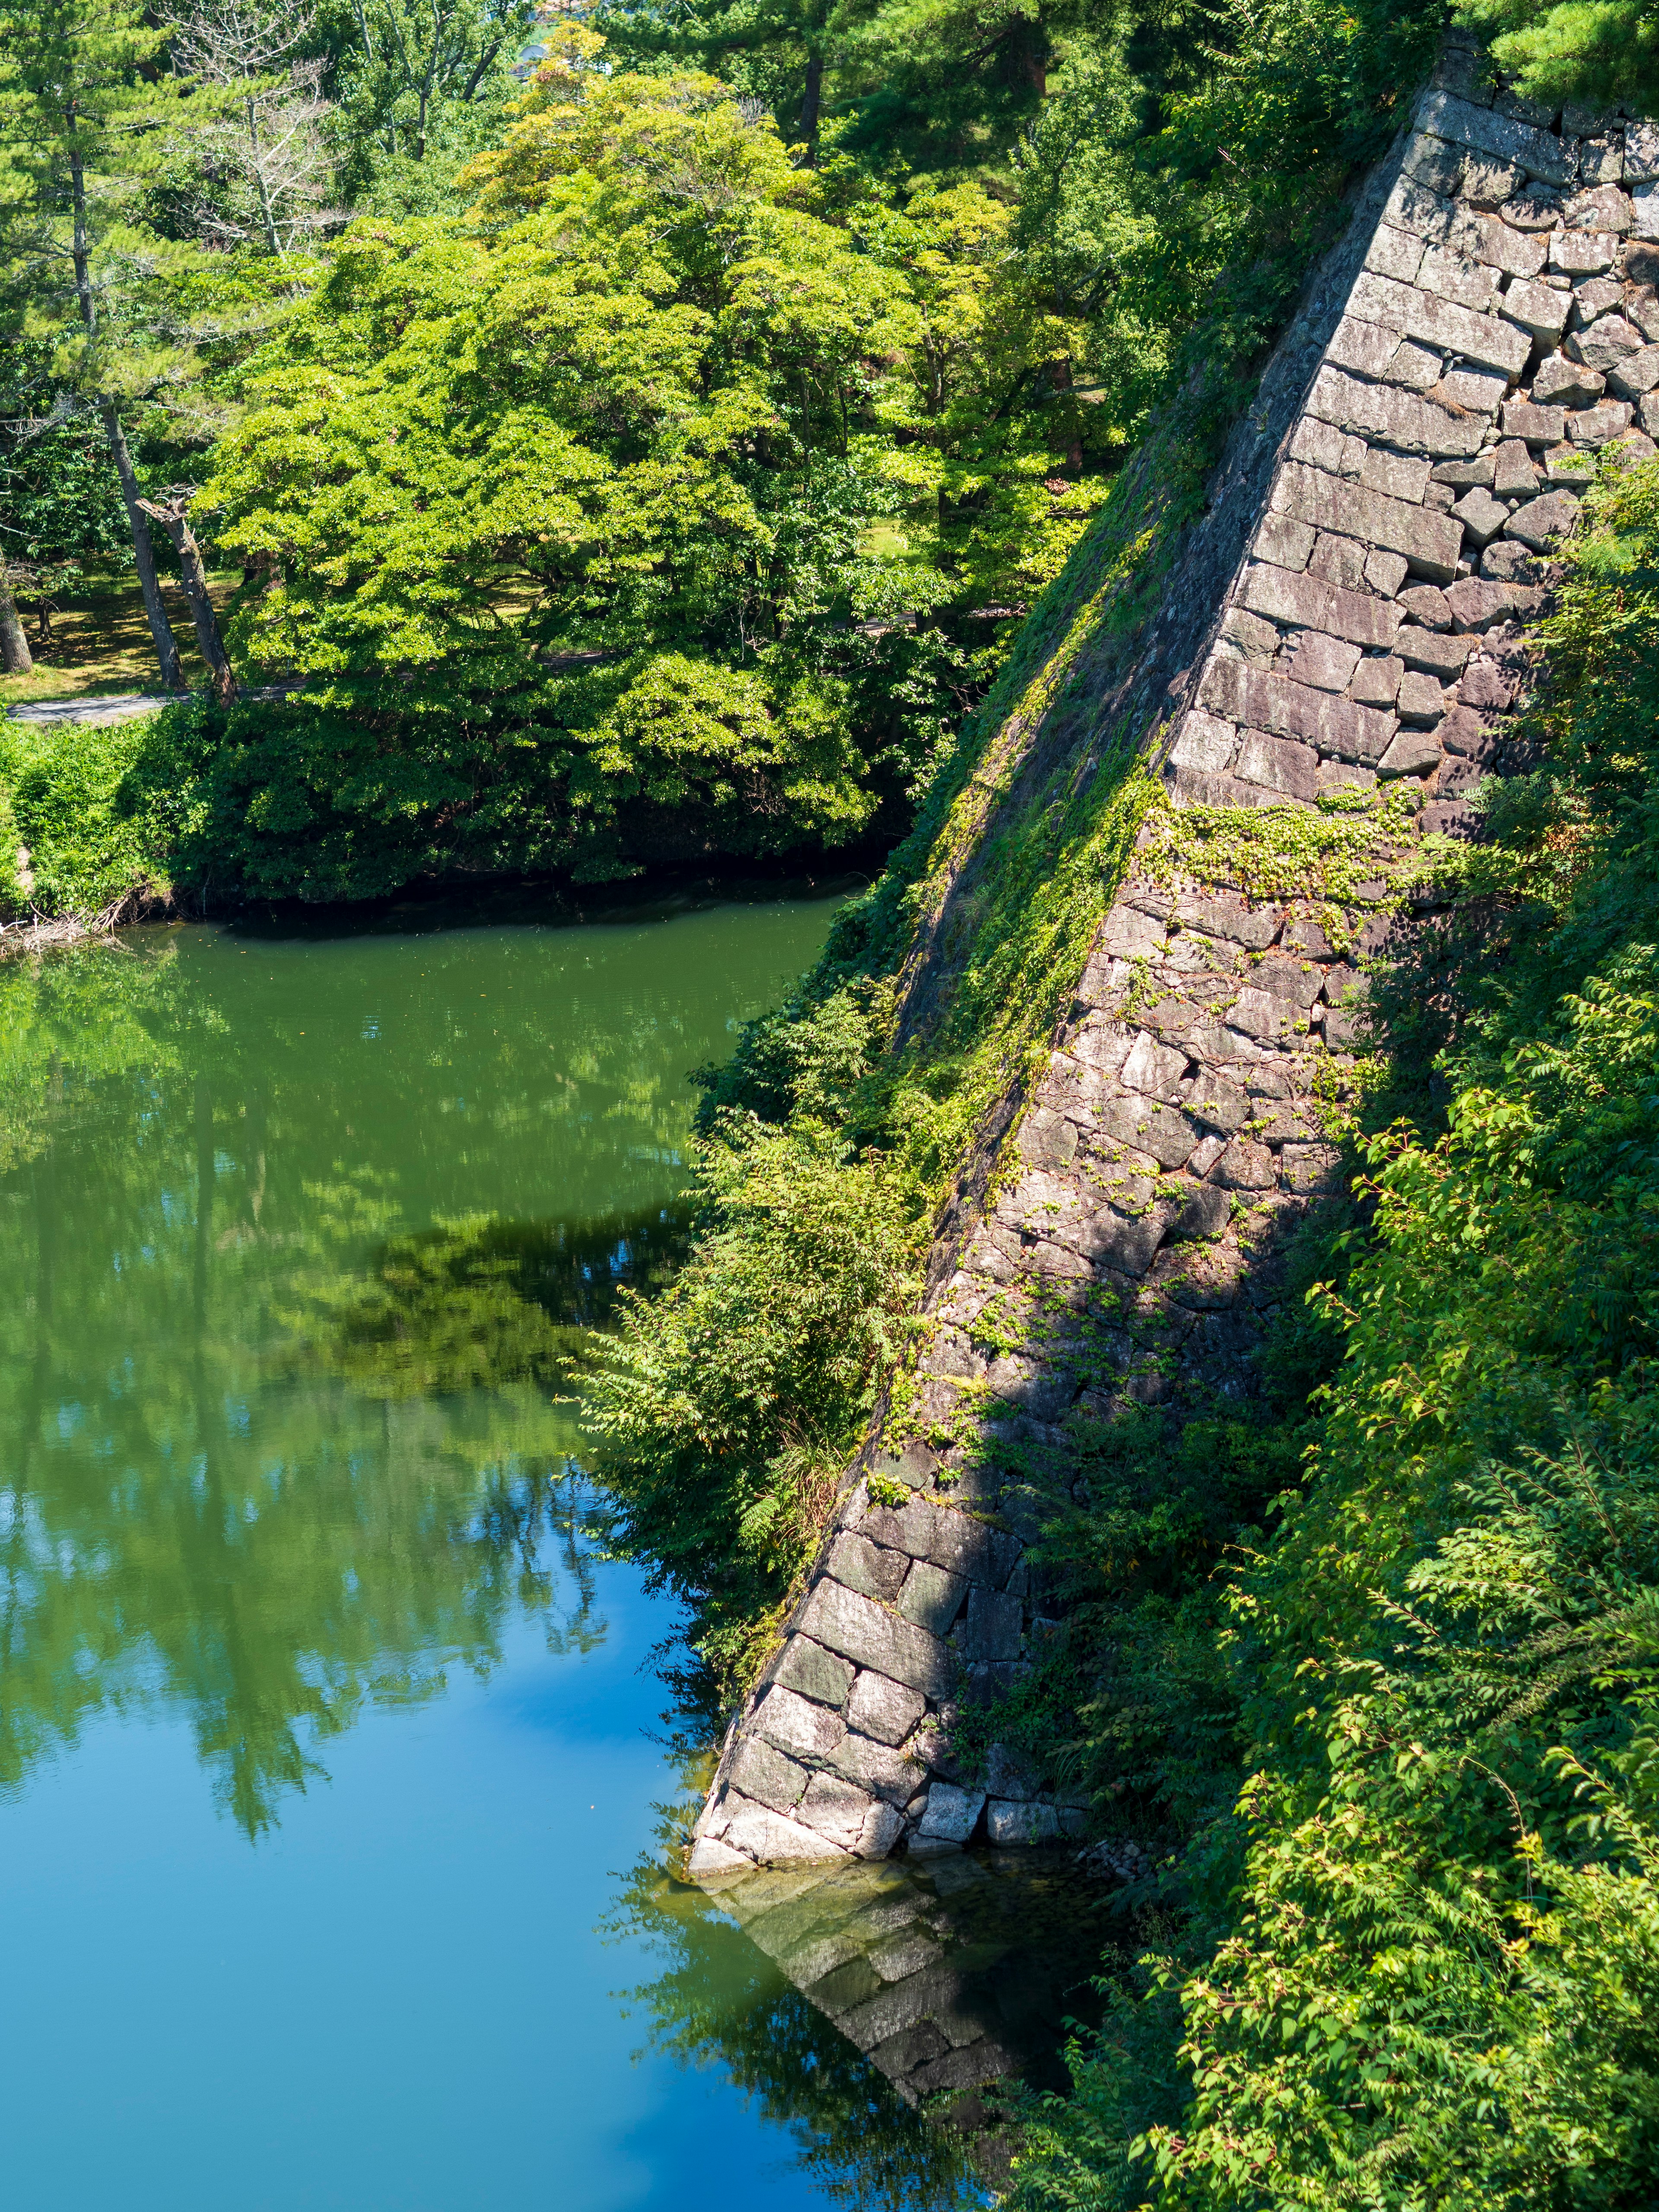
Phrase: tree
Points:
(265, 153)
(411, 60)
(87, 110)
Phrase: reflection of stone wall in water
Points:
(948, 1976)
(1488, 328)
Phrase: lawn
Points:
(100, 641)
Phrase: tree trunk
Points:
(14, 654)
(143, 553)
(167, 646)
(170, 512)
(811, 100)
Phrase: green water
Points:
(330, 1788)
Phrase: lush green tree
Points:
(1600, 53)
(640, 490)
(87, 110)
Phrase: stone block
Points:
(1476, 391)
(1605, 343)
(1485, 685)
(1542, 520)
(932, 1596)
(1285, 543)
(1286, 976)
(1394, 253)
(1429, 542)
(860, 1629)
(1428, 604)
(1366, 348)
(1308, 1168)
(1487, 183)
(1538, 309)
(1203, 1217)
(1259, 1014)
(1595, 425)
(1413, 752)
(1450, 275)
(1271, 703)
(1437, 165)
(1480, 514)
(1399, 476)
(885, 1710)
(1489, 339)
(815, 1672)
(1154, 1069)
(1477, 604)
(1463, 475)
(951, 1815)
(878, 1770)
(1339, 561)
(1536, 426)
(1168, 1136)
(1377, 411)
(991, 1628)
(969, 1548)
(1532, 211)
(1426, 215)
(1517, 253)
(835, 1808)
(1008, 1821)
(1386, 572)
(1637, 374)
(1641, 153)
(1483, 130)
(797, 1725)
(1604, 209)
(1376, 682)
(1601, 160)
(1217, 1102)
(1256, 640)
(762, 1773)
(1421, 699)
(1245, 1166)
(1280, 764)
(1582, 252)
(1205, 744)
(1322, 446)
(1048, 1140)
(768, 1837)
(1563, 383)
(1128, 934)
(709, 1861)
(862, 1566)
(1513, 475)
(1468, 734)
(912, 1464)
(1414, 367)
(1224, 913)
(909, 1529)
(1593, 297)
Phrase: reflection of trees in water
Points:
(481, 1302)
(240, 1474)
(721, 2001)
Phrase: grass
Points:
(100, 642)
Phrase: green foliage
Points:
(1433, 1980)
(725, 1406)
(1598, 52)
(64, 785)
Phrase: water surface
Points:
(330, 1798)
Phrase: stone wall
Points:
(1488, 326)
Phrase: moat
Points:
(331, 1784)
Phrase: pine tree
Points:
(88, 111)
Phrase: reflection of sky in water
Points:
(265, 1547)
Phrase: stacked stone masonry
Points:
(1502, 331)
